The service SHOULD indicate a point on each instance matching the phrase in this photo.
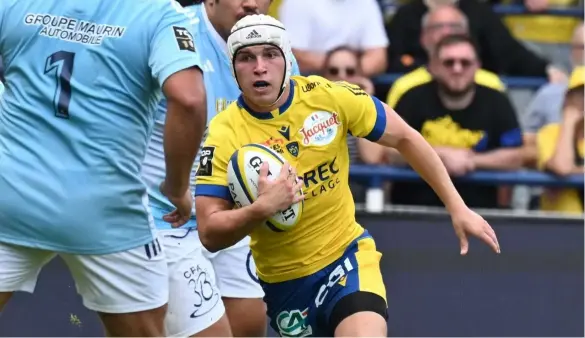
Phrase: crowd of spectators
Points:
(451, 55)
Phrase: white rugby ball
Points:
(243, 173)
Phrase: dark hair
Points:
(186, 3)
(455, 39)
(331, 52)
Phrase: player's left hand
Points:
(467, 222)
(184, 205)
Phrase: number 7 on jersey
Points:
(61, 63)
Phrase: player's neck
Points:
(283, 98)
(212, 19)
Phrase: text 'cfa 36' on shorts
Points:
(123, 282)
(194, 299)
(314, 305)
(236, 271)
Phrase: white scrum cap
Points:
(259, 29)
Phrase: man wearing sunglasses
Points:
(437, 24)
(471, 126)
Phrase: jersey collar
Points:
(269, 115)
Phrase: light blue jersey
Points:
(221, 89)
(83, 79)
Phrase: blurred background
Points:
(496, 87)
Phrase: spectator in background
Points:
(561, 148)
(316, 27)
(342, 64)
(548, 35)
(546, 106)
(498, 50)
(436, 24)
(471, 126)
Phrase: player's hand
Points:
(467, 222)
(280, 193)
(184, 205)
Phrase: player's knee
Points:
(360, 314)
(149, 323)
(247, 316)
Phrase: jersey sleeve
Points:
(211, 178)
(172, 48)
(364, 114)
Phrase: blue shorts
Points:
(314, 305)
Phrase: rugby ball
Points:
(243, 173)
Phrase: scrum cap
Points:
(259, 29)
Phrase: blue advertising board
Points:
(533, 288)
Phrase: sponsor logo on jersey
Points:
(321, 179)
(293, 323)
(275, 144)
(285, 132)
(293, 148)
(320, 128)
(335, 277)
(205, 167)
(184, 39)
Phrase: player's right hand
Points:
(280, 193)
(184, 205)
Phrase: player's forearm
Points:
(500, 159)
(223, 229)
(184, 128)
(423, 158)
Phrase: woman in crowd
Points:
(561, 148)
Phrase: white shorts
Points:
(194, 299)
(123, 282)
(236, 271)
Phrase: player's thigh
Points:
(354, 296)
(129, 289)
(236, 271)
(240, 289)
(195, 303)
(19, 269)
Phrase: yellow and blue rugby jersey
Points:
(310, 131)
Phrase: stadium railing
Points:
(511, 82)
(374, 176)
(519, 9)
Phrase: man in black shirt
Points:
(471, 126)
(499, 51)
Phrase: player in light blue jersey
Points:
(83, 79)
(234, 267)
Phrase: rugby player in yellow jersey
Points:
(322, 277)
